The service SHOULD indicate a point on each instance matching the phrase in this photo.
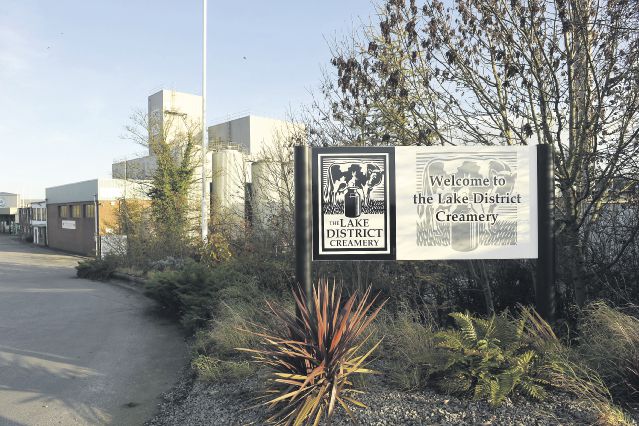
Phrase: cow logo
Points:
(348, 186)
(352, 191)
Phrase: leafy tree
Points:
(173, 148)
(494, 72)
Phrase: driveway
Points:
(78, 352)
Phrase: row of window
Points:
(39, 213)
(76, 211)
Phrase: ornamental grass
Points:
(313, 357)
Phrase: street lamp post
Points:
(205, 222)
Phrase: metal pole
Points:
(545, 277)
(96, 222)
(205, 221)
(303, 221)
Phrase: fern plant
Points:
(487, 358)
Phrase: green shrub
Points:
(274, 276)
(97, 269)
(225, 332)
(488, 358)
(194, 292)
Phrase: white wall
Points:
(252, 133)
(105, 189)
(234, 132)
(136, 168)
(176, 110)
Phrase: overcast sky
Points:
(72, 72)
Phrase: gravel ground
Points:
(193, 403)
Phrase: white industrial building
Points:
(235, 147)
(10, 204)
(170, 112)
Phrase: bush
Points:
(274, 276)
(313, 359)
(488, 358)
(193, 293)
(411, 355)
(97, 269)
(169, 263)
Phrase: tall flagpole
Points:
(205, 219)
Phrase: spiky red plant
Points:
(312, 359)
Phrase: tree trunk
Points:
(484, 282)
(575, 272)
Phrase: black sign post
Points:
(545, 276)
(303, 221)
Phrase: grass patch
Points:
(212, 369)
(408, 349)
(215, 347)
(609, 344)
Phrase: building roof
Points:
(103, 189)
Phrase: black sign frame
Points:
(390, 208)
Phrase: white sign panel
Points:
(68, 224)
(420, 203)
(466, 202)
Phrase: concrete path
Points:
(77, 352)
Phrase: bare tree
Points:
(272, 200)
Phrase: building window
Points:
(89, 210)
(63, 211)
(76, 211)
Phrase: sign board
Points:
(353, 203)
(68, 224)
(420, 203)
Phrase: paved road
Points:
(77, 352)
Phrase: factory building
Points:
(82, 217)
(9, 204)
(172, 117)
(33, 222)
(254, 149)
(38, 222)
(233, 146)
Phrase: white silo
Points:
(227, 194)
(271, 191)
